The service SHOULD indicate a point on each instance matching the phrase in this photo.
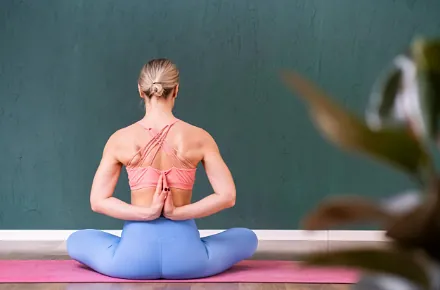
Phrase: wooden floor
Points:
(26, 251)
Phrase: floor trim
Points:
(263, 235)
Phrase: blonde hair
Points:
(158, 78)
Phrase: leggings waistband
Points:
(161, 228)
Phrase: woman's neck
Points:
(157, 115)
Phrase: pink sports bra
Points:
(141, 174)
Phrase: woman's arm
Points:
(221, 181)
(104, 184)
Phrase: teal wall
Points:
(68, 72)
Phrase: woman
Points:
(160, 153)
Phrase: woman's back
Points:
(148, 149)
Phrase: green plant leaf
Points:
(410, 230)
(351, 209)
(409, 92)
(402, 203)
(419, 228)
(384, 110)
(345, 210)
(391, 261)
(343, 128)
(426, 55)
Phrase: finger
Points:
(165, 184)
(163, 195)
(165, 189)
(159, 185)
(169, 201)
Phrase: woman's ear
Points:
(176, 90)
(141, 93)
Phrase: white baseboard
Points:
(263, 235)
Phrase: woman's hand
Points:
(157, 205)
(169, 208)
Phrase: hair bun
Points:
(156, 89)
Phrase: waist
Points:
(161, 228)
(153, 183)
(144, 197)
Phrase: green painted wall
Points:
(68, 72)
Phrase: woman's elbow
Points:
(95, 205)
(230, 200)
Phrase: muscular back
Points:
(190, 143)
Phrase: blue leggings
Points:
(161, 249)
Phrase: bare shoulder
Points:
(199, 135)
(121, 134)
(118, 140)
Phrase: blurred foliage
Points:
(399, 126)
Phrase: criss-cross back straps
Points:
(169, 150)
(158, 142)
(154, 141)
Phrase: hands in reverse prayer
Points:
(163, 199)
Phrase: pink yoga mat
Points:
(65, 271)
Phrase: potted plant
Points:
(400, 129)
